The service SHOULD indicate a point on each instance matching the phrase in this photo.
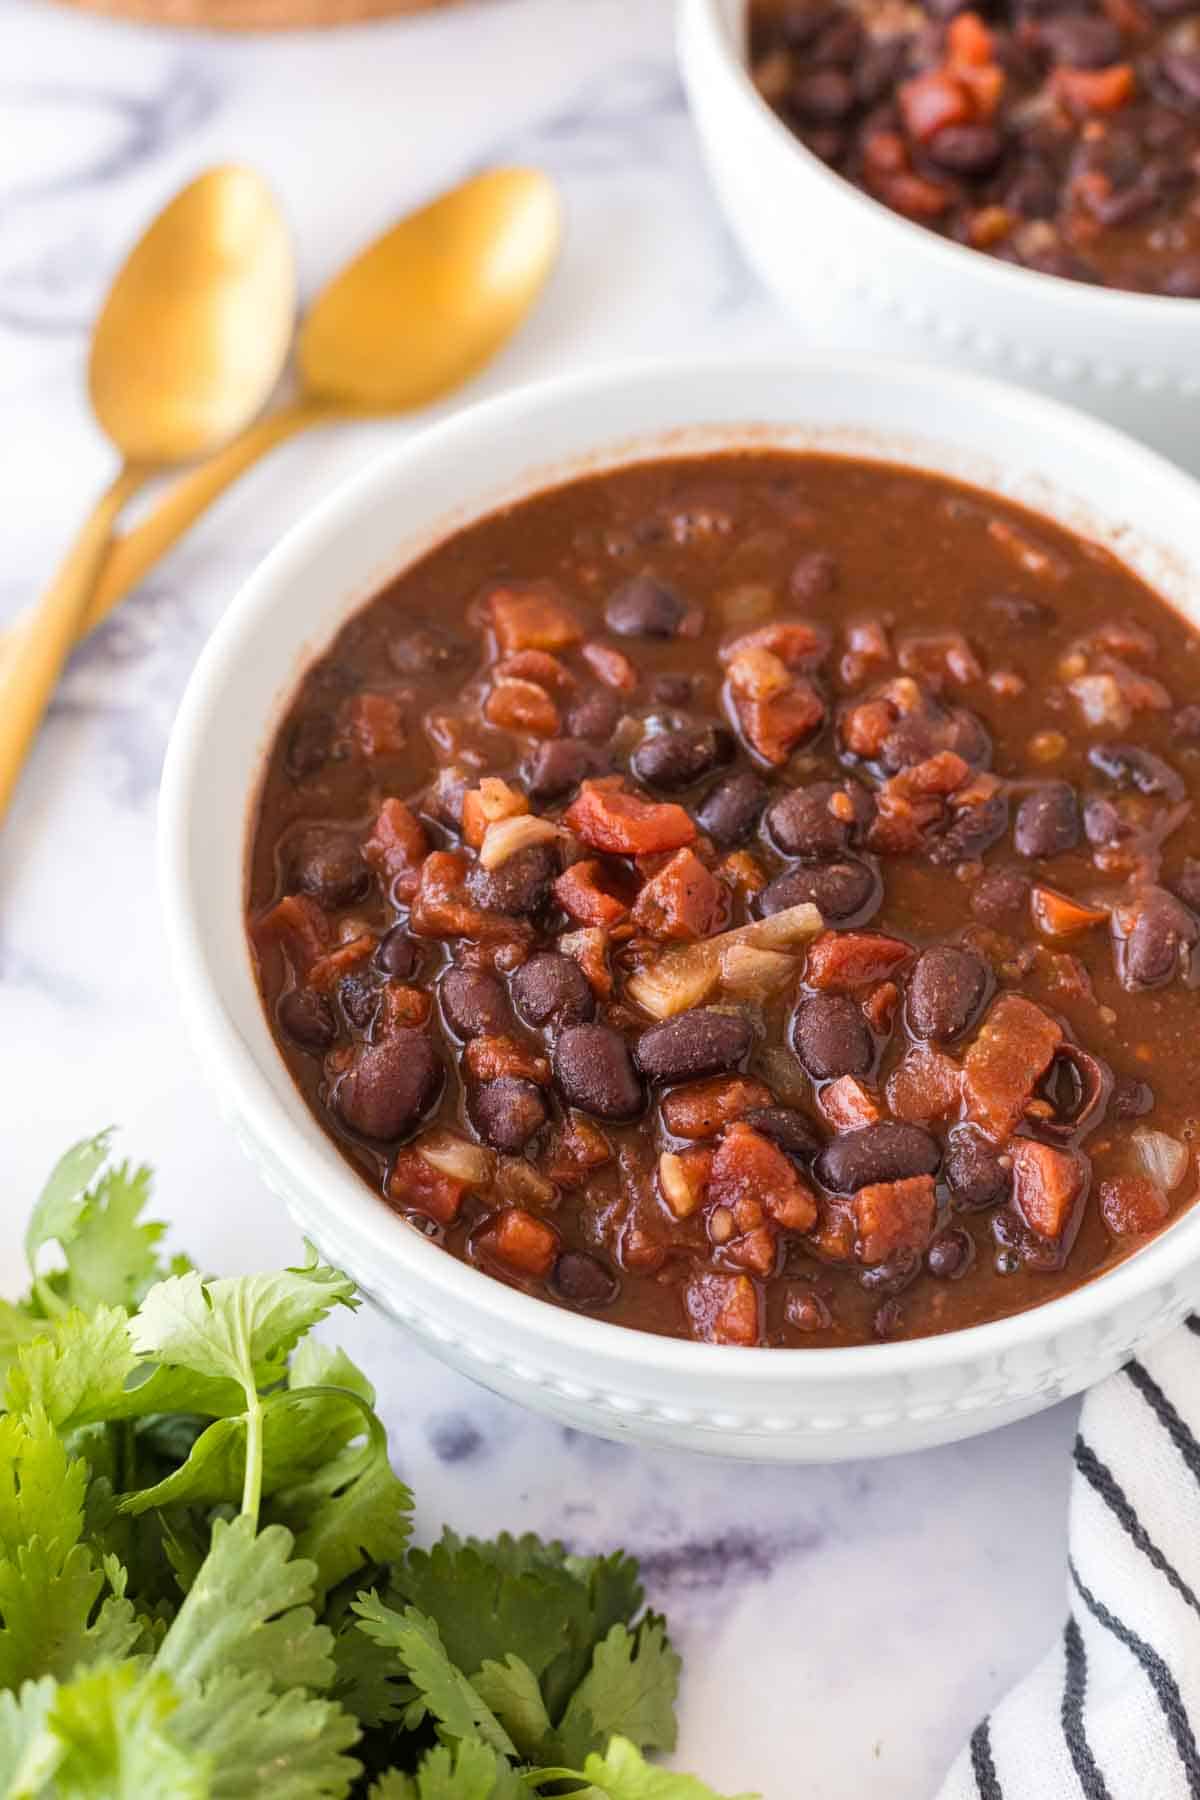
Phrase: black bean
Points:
(584, 1280)
(976, 1173)
(389, 1086)
(729, 811)
(594, 1071)
(558, 766)
(1104, 823)
(945, 992)
(474, 1003)
(327, 863)
(888, 1321)
(816, 572)
(822, 94)
(552, 990)
(1185, 723)
(831, 1037)
(694, 1044)
(889, 1151)
(397, 955)
(1021, 610)
(310, 744)
(998, 895)
(507, 1112)
(1183, 282)
(674, 759)
(1152, 947)
(1131, 766)
(594, 715)
(1131, 1098)
(519, 885)
(308, 1019)
(973, 827)
(787, 1129)
(801, 823)
(841, 891)
(359, 1000)
(1047, 822)
(966, 149)
(672, 690)
(894, 1274)
(425, 649)
(950, 1254)
(1082, 39)
(1186, 885)
(445, 799)
(1182, 69)
(645, 607)
(916, 738)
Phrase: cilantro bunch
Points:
(207, 1590)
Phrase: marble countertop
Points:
(821, 1611)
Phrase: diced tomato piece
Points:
(416, 1184)
(1015, 1046)
(884, 153)
(579, 1148)
(401, 1008)
(299, 926)
(926, 1085)
(840, 961)
(375, 724)
(589, 948)
(893, 1215)
(1060, 916)
(985, 84)
(704, 1108)
(915, 195)
(880, 1007)
(521, 706)
(684, 901)
(328, 970)
(1047, 1185)
(747, 1166)
(866, 726)
(833, 1240)
(930, 102)
(1132, 1205)
(774, 727)
(395, 847)
(538, 666)
(488, 1058)
(723, 1309)
(525, 1243)
(605, 817)
(486, 804)
(743, 872)
(756, 1250)
(1094, 90)
(911, 801)
(578, 892)
(847, 1104)
(798, 643)
(441, 910)
(610, 666)
(968, 40)
(532, 618)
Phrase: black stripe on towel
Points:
(1157, 1673)
(982, 1766)
(1074, 1691)
(1101, 1478)
(1171, 1421)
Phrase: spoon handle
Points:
(134, 554)
(43, 640)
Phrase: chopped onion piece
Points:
(504, 837)
(522, 1184)
(499, 800)
(747, 604)
(455, 1156)
(1164, 1158)
(754, 973)
(683, 978)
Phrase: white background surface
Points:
(842, 1628)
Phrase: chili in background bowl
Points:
(856, 274)
(759, 1404)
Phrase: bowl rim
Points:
(706, 19)
(232, 1068)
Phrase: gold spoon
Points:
(191, 340)
(413, 316)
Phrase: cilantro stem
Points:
(252, 1486)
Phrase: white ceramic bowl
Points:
(856, 274)
(766, 1404)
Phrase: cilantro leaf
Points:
(468, 1772)
(511, 1690)
(111, 1725)
(42, 1489)
(75, 1369)
(368, 1680)
(112, 1256)
(57, 1208)
(447, 1694)
(245, 1610)
(28, 1753)
(290, 1745)
(18, 1326)
(352, 1512)
(631, 1687)
(315, 1364)
(622, 1774)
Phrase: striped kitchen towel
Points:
(1113, 1711)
